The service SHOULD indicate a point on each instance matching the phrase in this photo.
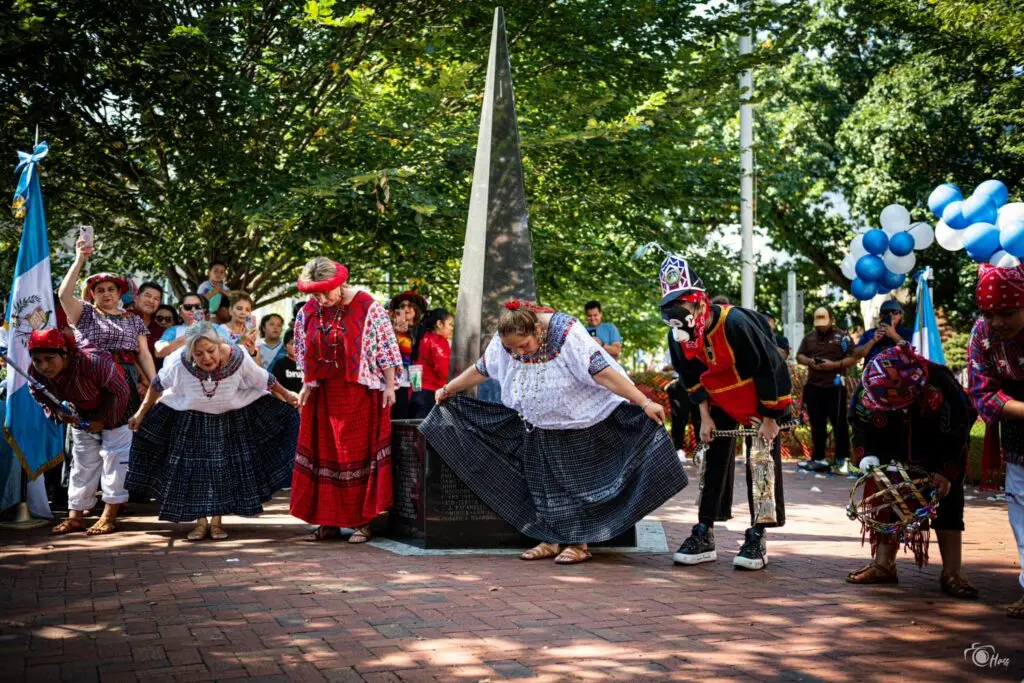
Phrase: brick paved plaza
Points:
(146, 605)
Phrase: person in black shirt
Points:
(284, 368)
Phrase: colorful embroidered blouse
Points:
(93, 383)
(187, 387)
(995, 376)
(932, 433)
(355, 342)
(554, 388)
(119, 332)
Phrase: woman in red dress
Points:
(347, 351)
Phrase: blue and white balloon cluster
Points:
(880, 259)
(984, 224)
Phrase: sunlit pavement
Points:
(147, 605)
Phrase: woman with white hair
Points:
(347, 351)
(219, 442)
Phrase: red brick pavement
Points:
(145, 605)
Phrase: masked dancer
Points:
(565, 458)
(727, 358)
(349, 357)
(916, 413)
(995, 362)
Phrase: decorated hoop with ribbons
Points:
(897, 501)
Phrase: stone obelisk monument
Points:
(497, 259)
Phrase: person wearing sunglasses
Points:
(163, 318)
(173, 337)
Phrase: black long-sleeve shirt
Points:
(753, 347)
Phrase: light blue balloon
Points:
(892, 280)
(941, 197)
(981, 240)
(901, 244)
(870, 268)
(876, 241)
(1011, 237)
(994, 190)
(979, 209)
(862, 290)
(953, 217)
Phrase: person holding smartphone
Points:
(888, 334)
(242, 327)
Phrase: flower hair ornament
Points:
(521, 305)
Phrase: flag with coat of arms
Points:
(36, 441)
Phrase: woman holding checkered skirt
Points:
(221, 440)
(565, 459)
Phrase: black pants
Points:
(720, 475)
(683, 411)
(824, 405)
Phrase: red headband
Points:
(50, 340)
(324, 286)
(1000, 289)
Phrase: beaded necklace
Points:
(529, 381)
(209, 393)
(330, 335)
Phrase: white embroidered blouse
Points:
(555, 389)
(186, 387)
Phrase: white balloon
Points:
(1004, 260)
(901, 265)
(1009, 213)
(923, 235)
(895, 218)
(948, 238)
(857, 247)
(849, 267)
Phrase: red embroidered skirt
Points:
(342, 471)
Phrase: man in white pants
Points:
(995, 364)
(95, 385)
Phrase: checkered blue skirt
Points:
(197, 464)
(558, 485)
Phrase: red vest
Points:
(727, 390)
(334, 339)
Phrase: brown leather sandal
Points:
(68, 526)
(873, 573)
(102, 527)
(360, 535)
(199, 531)
(573, 554)
(1016, 610)
(541, 551)
(217, 532)
(957, 586)
(323, 533)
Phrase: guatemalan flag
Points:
(927, 341)
(37, 442)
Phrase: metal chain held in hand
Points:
(762, 469)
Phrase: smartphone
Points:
(85, 234)
(250, 323)
(593, 333)
(886, 319)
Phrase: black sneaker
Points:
(754, 553)
(698, 548)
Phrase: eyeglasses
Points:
(163, 319)
(191, 307)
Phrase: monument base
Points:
(437, 510)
